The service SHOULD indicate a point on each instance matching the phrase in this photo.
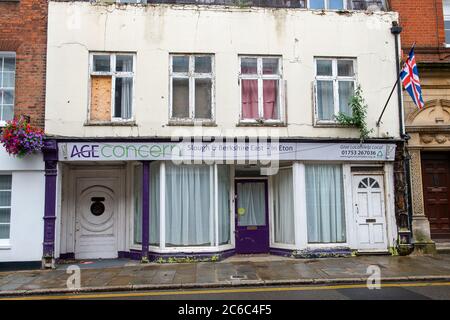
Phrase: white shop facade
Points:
(208, 200)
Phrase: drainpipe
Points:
(396, 30)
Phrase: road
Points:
(388, 291)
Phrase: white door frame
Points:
(384, 208)
(68, 207)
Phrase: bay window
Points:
(261, 88)
(191, 87)
(325, 203)
(196, 210)
(334, 86)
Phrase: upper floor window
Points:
(191, 87)
(446, 4)
(112, 82)
(260, 81)
(7, 85)
(326, 4)
(5, 206)
(334, 86)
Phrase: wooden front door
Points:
(436, 192)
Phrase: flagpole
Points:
(392, 91)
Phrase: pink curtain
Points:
(250, 99)
(270, 94)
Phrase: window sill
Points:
(261, 124)
(5, 246)
(331, 124)
(111, 124)
(190, 123)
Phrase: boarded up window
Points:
(100, 98)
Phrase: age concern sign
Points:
(213, 151)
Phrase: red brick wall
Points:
(23, 29)
(423, 23)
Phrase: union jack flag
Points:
(410, 79)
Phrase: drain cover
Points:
(238, 277)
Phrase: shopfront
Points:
(157, 200)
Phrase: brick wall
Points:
(23, 29)
(423, 23)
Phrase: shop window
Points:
(191, 88)
(325, 203)
(334, 86)
(7, 85)
(261, 89)
(190, 214)
(5, 206)
(283, 207)
(112, 81)
(446, 5)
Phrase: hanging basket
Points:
(20, 138)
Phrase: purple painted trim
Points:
(51, 173)
(153, 256)
(281, 252)
(145, 208)
(67, 256)
(50, 150)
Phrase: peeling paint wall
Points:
(154, 31)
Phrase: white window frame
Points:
(326, 4)
(7, 54)
(260, 77)
(335, 78)
(113, 74)
(191, 75)
(6, 242)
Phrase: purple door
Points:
(252, 227)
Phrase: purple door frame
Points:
(248, 239)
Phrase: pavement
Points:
(237, 271)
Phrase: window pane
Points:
(5, 198)
(335, 4)
(316, 4)
(324, 203)
(102, 63)
(447, 30)
(5, 182)
(8, 80)
(446, 5)
(180, 63)
(123, 98)
(10, 64)
(203, 98)
(270, 66)
(251, 204)
(137, 222)
(188, 205)
(180, 98)
(249, 65)
(324, 68)
(223, 174)
(124, 63)
(345, 68)
(249, 99)
(7, 113)
(154, 203)
(270, 99)
(346, 89)
(4, 231)
(203, 64)
(325, 100)
(283, 207)
(8, 97)
(5, 215)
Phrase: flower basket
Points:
(20, 138)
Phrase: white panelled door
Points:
(369, 212)
(96, 218)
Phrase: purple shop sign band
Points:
(214, 151)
